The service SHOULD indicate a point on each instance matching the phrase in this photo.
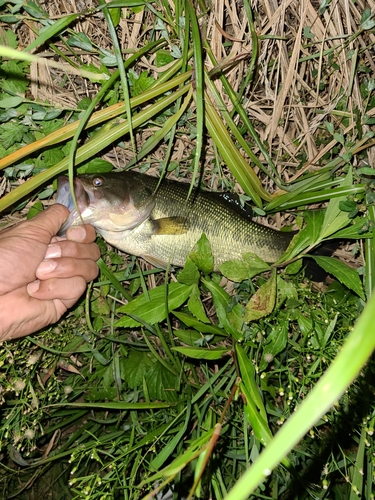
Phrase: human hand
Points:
(41, 274)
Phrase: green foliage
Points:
(186, 377)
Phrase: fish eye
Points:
(97, 182)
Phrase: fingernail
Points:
(53, 252)
(77, 233)
(33, 287)
(45, 267)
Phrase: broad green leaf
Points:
(198, 325)
(189, 337)
(239, 270)
(135, 367)
(161, 383)
(201, 353)
(294, 267)
(285, 290)
(263, 301)
(221, 299)
(201, 255)
(95, 166)
(35, 209)
(10, 102)
(153, 311)
(189, 275)
(347, 275)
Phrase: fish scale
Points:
(169, 223)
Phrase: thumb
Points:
(47, 223)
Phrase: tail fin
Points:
(312, 270)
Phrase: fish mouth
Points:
(64, 197)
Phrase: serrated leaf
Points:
(10, 133)
(161, 383)
(344, 273)
(135, 367)
(201, 255)
(189, 274)
(246, 268)
(198, 325)
(263, 301)
(201, 353)
(285, 290)
(153, 310)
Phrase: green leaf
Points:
(334, 218)
(201, 255)
(198, 325)
(95, 166)
(10, 133)
(307, 236)
(189, 275)
(285, 290)
(239, 270)
(367, 23)
(153, 311)
(258, 422)
(10, 102)
(195, 305)
(135, 367)
(247, 371)
(294, 267)
(200, 353)
(80, 40)
(189, 337)
(347, 275)
(161, 383)
(50, 31)
(355, 231)
(263, 301)
(307, 32)
(276, 343)
(228, 319)
(35, 210)
(163, 57)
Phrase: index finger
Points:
(84, 233)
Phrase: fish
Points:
(158, 220)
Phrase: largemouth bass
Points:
(161, 224)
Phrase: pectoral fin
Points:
(155, 261)
(171, 225)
